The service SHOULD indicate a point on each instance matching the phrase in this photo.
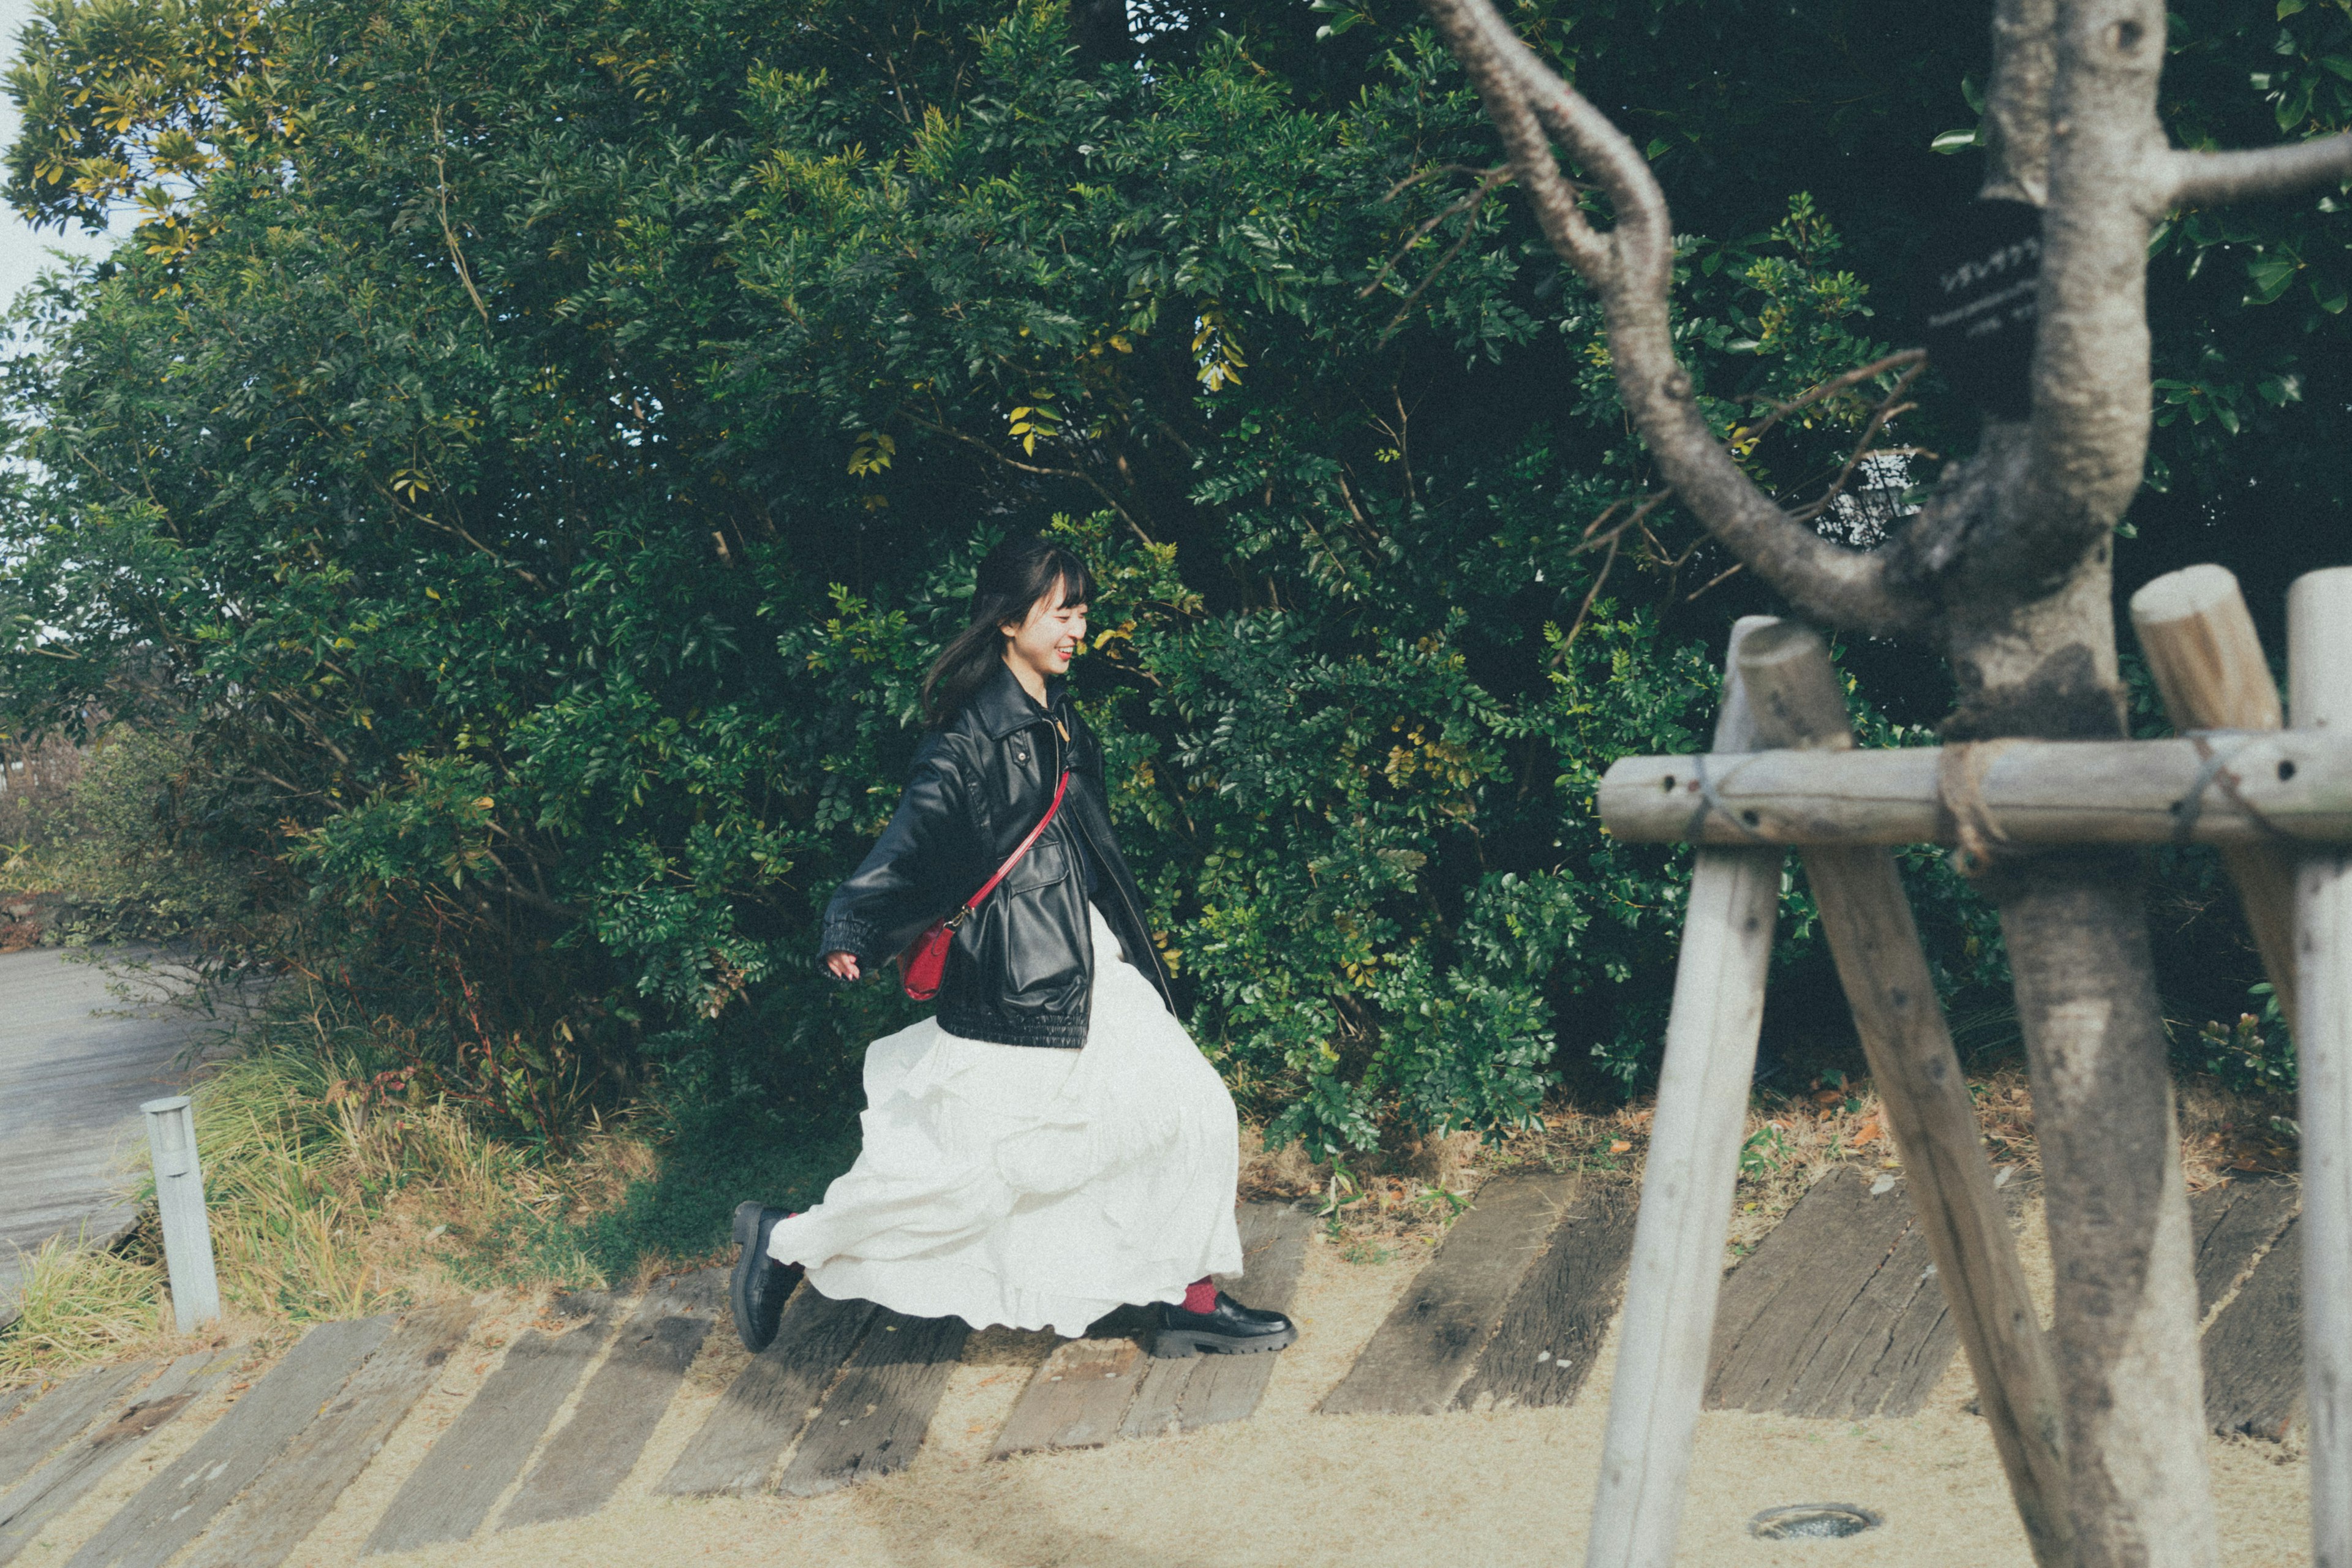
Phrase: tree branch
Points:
(2216, 179)
(1907, 359)
(941, 427)
(451, 528)
(1631, 268)
(441, 196)
(2086, 445)
(2017, 105)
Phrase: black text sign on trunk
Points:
(1976, 304)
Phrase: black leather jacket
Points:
(1021, 969)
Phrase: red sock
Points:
(1200, 1296)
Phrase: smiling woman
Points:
(1001, 1182)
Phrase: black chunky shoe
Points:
(1230, 1329)
(762, 1285)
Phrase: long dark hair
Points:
(1013, 578)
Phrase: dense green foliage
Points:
(533, 450)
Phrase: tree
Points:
(2008, 570)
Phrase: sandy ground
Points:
(1288, 1488)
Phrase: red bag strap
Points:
(1014, 859)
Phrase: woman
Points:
(1052, 1145)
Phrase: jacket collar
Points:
(1000, 706)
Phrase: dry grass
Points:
(79, 1306)
(2222, 1134)
(334, 1195)
(329, 1196)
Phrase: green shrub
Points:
(2254, 1056)
(534, 448)
(118, 849)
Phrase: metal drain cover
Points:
(1812, 1522)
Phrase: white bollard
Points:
(1688, 1181)
(180, 1200)
(2319, 678)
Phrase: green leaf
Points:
(2295, 107)
(2289, 7)
(2271, 274)
(1950, 142)
(1347, 19)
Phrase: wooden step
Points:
(1429, 1347)
(1077, 1398)
(1184, 1393)
(2254, 1350)
(61, 1415)
(772, 1400)
(287, 1500)
(471, 1465)
(1837, 1314)
(1553, 1326)
(173, 1508)
(2231, 1225)
(874, 1419)
(586, 1461)
(71, 1471)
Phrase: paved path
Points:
(71, 1079)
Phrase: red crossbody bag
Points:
(925, 962)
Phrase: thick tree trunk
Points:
(2124, 1338)
(2075, 927)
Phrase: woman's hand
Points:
(842, 965)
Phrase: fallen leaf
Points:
(1619, 1146)
(1871, 1134)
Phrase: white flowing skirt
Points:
(1030, 1186)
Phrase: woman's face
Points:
(1049, 639)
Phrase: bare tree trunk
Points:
(2124, 1338)
(2074, 925)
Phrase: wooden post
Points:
(1687, 1181)
(180, 1204)
(2208, 664)
(1798, 702)
(2319, 673)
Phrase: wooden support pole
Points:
(2218, 787)
(2208, 664)
(2319, 673)
(1687, 1183)
(1795, 693)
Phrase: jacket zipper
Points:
(1142, 925)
